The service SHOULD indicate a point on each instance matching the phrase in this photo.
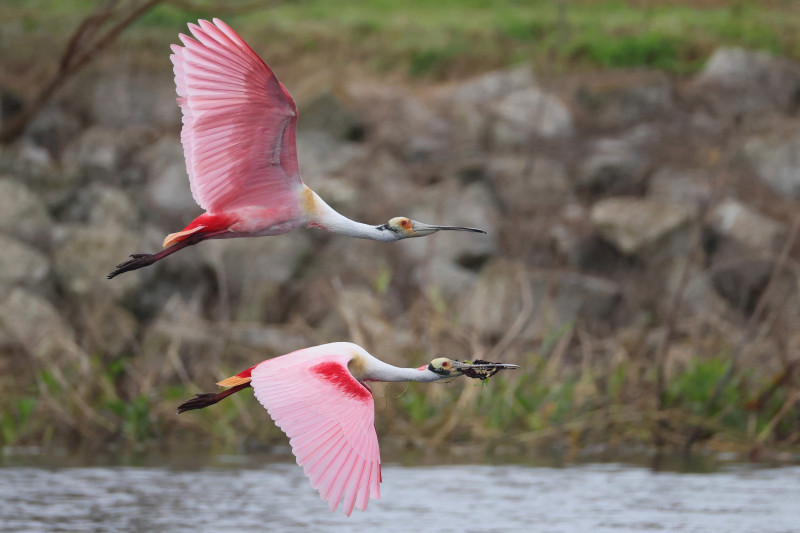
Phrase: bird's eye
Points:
(445, 364)
(404, 223)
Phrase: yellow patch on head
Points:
(442, 363)
(402, 224)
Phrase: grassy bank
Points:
(440, 40)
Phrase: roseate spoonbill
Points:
(319, 397)
(239, 125)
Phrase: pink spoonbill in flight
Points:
(320, 398)
(239, 142)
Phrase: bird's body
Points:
(239, 142)
(320, 398)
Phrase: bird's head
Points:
(452, 368)
(403, 228)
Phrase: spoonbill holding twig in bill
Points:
(319, 397)
(239, 142)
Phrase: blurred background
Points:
(635, 164)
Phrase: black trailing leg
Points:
(138, 261)
(209, 398)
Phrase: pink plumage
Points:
(239, 122)
(329, 419)
(239, 140)
(319, 397)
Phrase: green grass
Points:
(456, 38)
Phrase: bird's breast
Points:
(264, 221)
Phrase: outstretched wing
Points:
(329, 419)
(239, 122)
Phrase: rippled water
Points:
(276, 497)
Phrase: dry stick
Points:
(71, 62)
(770, 427)
(749, 333)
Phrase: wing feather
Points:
(329, 419)
(239, 122)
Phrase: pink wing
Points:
(329, 419)
(239, 122)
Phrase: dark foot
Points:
(199, 401)
(135, 262)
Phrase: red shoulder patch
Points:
(340, 377)
(212, 223)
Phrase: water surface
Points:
(277, 497)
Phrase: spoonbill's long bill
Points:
(319, 397)
(239, 126)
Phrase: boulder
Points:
(53, 128)
(469, 104)
(255, 269)
(621, 99)
(21, 263)
(404, 124)
(167, 181)
(31, 321)
(634, 226)
(525, 115)
(775, 160)
(323, 157)
(95, 154)
(734, 220)
(557, 300)
(84, 255)
(449, 204)
(689, 186)
(736, 81)
(125, 94)
(617, 165)
(526, 184)
(329, 112)
(22, 213)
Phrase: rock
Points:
(621, 99)
(323, 157)
(576, 296)
(689, 186)
(412, 130)
(749, 228)
(20, 263)
(267, 339)
(776, 162)
(361, 310)
(126, 94)
(699, 296)
(84, 255)
(447, 204)
(616, 165)
(634, 225)
(94, 155)
(524, 115)
(556, 300)
(736, 81)
(167, 180)
(327, 112)
(490, 87)
(469, 104)
(53, 129)
(255, 269)
(30, 320)
(113, 329)
(22, 213)
(525, 184)
(99, 205)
